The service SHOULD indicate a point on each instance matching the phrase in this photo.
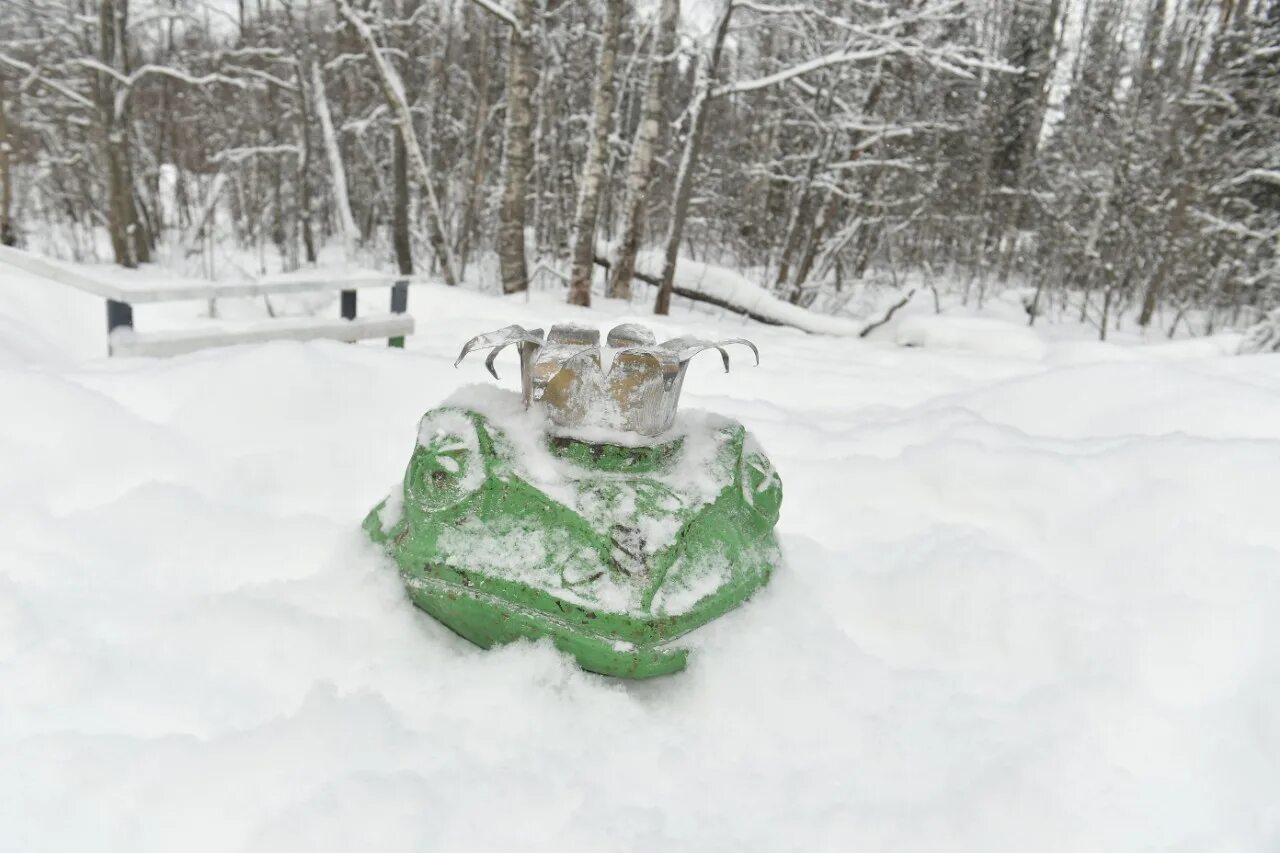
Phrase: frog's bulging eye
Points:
(446, 464)
(761, 487)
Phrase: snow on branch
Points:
(274, 53)
(770, 9)
(183, 77)
(359, 126)
(927, 14)
(495, 8)
(1266, 176)
(34, 76)
(94, 65)
(814, 91)
(892, 163)
(128, 81)
(957, 61)
(264, 76)
(840, 57)
(235, 155)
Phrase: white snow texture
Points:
(1031, 601)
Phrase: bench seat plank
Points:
(128, 342)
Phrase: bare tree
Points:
(708, 65)
(337, 169)
(643, 152)
(129, 239)
(7, 236)
(398, 101)
(518, 150)
(584, 239)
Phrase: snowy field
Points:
(1031, 602)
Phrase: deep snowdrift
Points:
(1031, 602)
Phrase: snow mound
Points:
(1025, 605)
(1223, 343)
(969, 334)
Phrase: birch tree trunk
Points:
(689, 159)
(517, 147)
(640, 168)
(337, 171)
(584, 228)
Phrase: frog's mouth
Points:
(614, 457)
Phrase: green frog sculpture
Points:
(584, 509)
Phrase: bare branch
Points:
(493, 7)
(838, 58)
(34, 75)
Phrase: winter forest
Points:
(1109, 157)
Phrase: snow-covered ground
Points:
(1031, 602)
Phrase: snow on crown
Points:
(632, 385)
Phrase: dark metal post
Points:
(119, 316)
(348, 304)
(399, 304)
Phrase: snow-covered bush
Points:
(1263, 336)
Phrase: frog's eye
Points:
(761, 487)
(446, 465)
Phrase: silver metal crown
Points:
(632, 385)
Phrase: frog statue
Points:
(583, 509)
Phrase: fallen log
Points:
(697, 296)
(766, 308)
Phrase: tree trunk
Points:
(1021, 118)
(802, 214)
(337, 171)
(7, 237)
(517, 146)
(640, 168)
(689, 159)
(129, 243)
(400, 210)
(1172, 249)
(476, 172)
(278, 231)
(817, 232)
(304, 167)
(799, 220)
(584, 227)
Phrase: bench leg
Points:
(399, 304)
(349, 305)
(119, 316)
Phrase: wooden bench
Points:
(122, 289)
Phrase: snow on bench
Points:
(151, 284)
(127, 342)
(122, 288)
